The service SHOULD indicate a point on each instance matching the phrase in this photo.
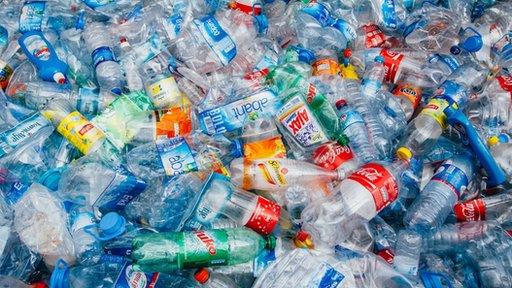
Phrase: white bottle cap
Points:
(59, 78)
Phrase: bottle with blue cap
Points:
(501, 149)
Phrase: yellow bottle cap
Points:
(349, 72)
(491, 141)
(404, 153)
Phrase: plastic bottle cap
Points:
(404, 153)
(379, 59)
(473, 44)
(433, 280)
(59, 78)
(504, 138)
(117, 91)
(60, 275)
(302, 235)
(347, 53)
(455, 50)
(202, 275)
(491, 141)
(51, 179)
(306, 56)
(39, 285)
(271, 242)
(112, 225)
(341, 103)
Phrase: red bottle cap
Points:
(202, 275)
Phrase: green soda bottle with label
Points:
(170, 251)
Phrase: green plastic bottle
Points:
(170, 251)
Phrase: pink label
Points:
(473, 210)
(265, 216)
(379, 182)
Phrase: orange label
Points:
(325, 67)
(410, 92)
(173, 122)
(268, 148)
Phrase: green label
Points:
(205, 248)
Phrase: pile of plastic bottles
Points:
(250, 143)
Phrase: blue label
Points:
(128, 278)
(176, 156)
(97, 3)
(414, 26)
(119, 251)
(389, 16)
(331, 278)
(175, 22)
(450, 61)
(320, 13)
(4, 36)
(102, 54)
(348, 31)
(31, 16)
(22, 132)
(453, 176)
(349, 118)
(452, 92)
(218, 40)
(15, 193)
(264, 259)
(119, 193)
(233, 115)
(88, 101)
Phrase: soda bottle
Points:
(495, 207)
(170, 251)
(442, 192)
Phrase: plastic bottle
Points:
(359, 197)
(109, 73)
(442, 192)
(173, 122)
(262, 140)
(42, 54)
(501, 152)
(87, 248)
(133, 79)
(496, 207)
(208, 279)
(407, 252)
(274, 173)
(210, 247)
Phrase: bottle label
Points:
(215, 193)
(266, 148)
(392, 62)
(4, 36)
(218, 40)
(235, 114)
(505, 82)
(173, 122)
(14, 194)
(24, 131)
(300, 122)
(80, 132)
(164, 93)
(409, 92)
(5, 74)
(435, 109)
(332, 155)
(387, 255)
(102, 54)
(176, 156)
(123, 188)
(389, 16)
(31, 16)
(129, 278)
(81, 220)
(328, 276)
(88, 101)
(349, 118)
(452, 176)
(473, 210)
(325, 67)
(374, 37)
(449, 60)
(270, 173)
(379, 182)
(37, 47)
(264, 217)
(205, 248)
(452, 92)
(97, 3)
(319, 12)
(246, 6)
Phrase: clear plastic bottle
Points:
(109, 73)
(444, 189)
(213, 280)
(133, 79)
(407, 252)
(496, 207)
(502, 152)
(87, 248)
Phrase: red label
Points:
(410, 92)
(86, 128)
(505, 82)
(256, 74)
(300, 120)
(387, 255)
(332, 155)
(311, 93)
(265, 216)
(208, 242)
(392, 61)
(374, 37)
(248, 7)
(379, 182)
(473, 210)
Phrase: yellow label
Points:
(164, 93)
(267, 148)
(349, 72)
(80, 132)
(435, 109)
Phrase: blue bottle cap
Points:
(473, 43)
(237, 148)
(60, 275)
(504, 138)
(112, 225)
(261, 22)
(435, 280)
(117, 91)
(379, 59)
(306, 56)
(51, 179)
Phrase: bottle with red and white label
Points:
(273, 174)
(359, 198)
(441, 193)
(496, 207)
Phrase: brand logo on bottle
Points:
(371, 174)
(332, 155)
(301, 118)
(505, 82)
(207, 241)
(311, 93)
(473, 210)
(251, 107)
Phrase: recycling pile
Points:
(217, 143)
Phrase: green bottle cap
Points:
(343, 140)
(270, 242)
